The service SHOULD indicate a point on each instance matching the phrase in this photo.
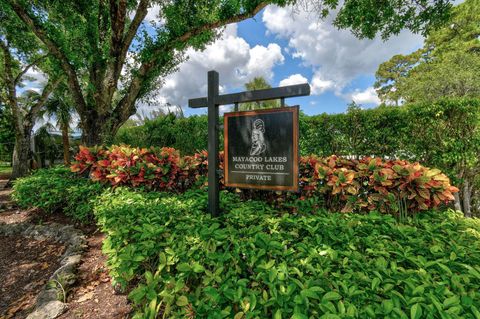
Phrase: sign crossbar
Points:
(254, 96)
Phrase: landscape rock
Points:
(47, 305)
(50, 310)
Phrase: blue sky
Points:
(289, 46)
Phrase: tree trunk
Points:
(466, 190)
(22, 156)
(99, 130)
(457, 203)
(66, 144)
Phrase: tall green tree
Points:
(19, 55)
(112, 58)
(258, 83)
(447, 66)
(7, 135)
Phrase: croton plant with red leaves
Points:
(374, 184)
(124, 165)
(346, 185)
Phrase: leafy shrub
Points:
(57, 189)
(256, 262)
(124, 165)
(444, 134)
(187, 135)
(374, 184)
(344, 184)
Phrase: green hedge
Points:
(440, 134)
(259, 262)
(444, 135)
(255, 262)
(57, 189)
(188, 135)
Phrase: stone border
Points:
(47, 305)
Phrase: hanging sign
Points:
(261, 149)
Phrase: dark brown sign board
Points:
(261, 149)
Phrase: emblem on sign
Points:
(258, 138)
(261, 149)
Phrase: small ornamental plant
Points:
(136, 167)
(370, 184)
(346, 185)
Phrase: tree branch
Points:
(214, 25)
(120, 44)
(9, 80)
(126, 106)
(118, 11)
(25, 70)
(54, 48)
(140, 15)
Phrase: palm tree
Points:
(60, 107)
(258, 83)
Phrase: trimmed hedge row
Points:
(177, 261)
(345, 185)
(444, 134)
(257, 262)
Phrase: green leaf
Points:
(341, 307)
(239, 315)
(183, 267)
(310, 293)
(387, 306)
(332, 295)
(454, 300)
(475, 312)
(152, 306)
(182, 301)
(418, 291)
(198, 268)
(415, 311)
(375, 283)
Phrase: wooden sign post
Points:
(212, 102)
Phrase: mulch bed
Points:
(25, 266)
(94, 296)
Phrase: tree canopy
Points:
(112, 57)
(446, 66)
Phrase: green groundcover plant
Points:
(58, 189)
(258, 262)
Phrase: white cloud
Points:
(152, 14)
(336, 56)
(294, 79)
(233, 58)
(33, 80)
(368, 96)
(320, 85)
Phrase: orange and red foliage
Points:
(123, 165)
(374, 184)
(345, 185)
